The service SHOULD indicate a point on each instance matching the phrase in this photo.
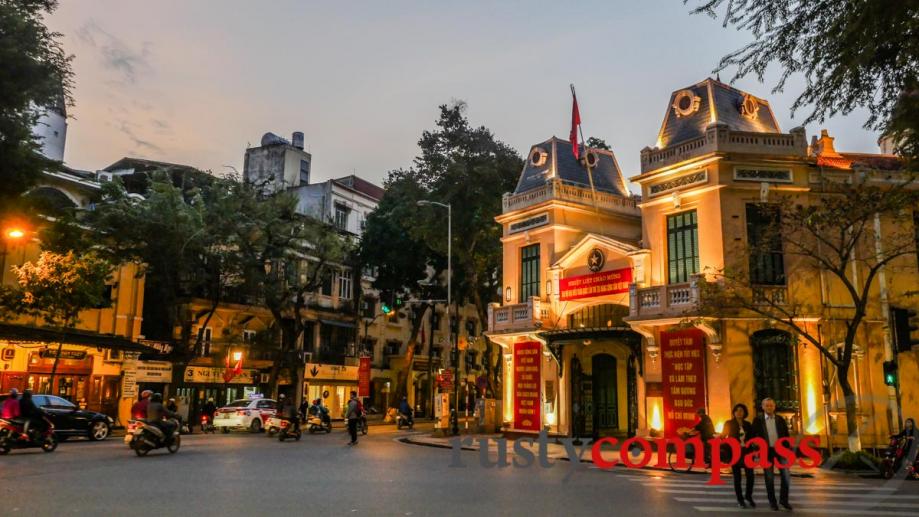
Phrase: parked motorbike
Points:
(207, 425)
(147, 437)
(288, 431)
(893, 456)
(319, 424)
(403, 420)
(13, 437)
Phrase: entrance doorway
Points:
(606, 394)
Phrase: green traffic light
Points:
(385, 308)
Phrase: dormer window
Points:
(685, 103)
(538, 156)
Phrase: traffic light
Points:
(890, 373)
(385, 308)
(905, 323)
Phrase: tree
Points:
(852, 53)
(287, 257)
(57, 287)
(470, 169)
(833, 233)
(35, 73)
(598, 143)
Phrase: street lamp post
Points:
(455, 354)
(9, 234)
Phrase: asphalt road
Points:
(243, 474)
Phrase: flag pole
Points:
(590, 176)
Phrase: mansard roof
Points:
(554, 159)
(693, 108)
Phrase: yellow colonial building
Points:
(606, 287)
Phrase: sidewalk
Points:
(556, 451)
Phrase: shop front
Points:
(332, 383)
(200, 383)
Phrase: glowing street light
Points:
(15, 233)
(237, 356)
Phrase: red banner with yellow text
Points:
(595, 284)
(683, 377)
(363, 377)
(527, 361)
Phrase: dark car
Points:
(69, 420)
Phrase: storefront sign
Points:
(128, 384)
(331, 372)
(595, 284)
(206, 374)
(683, 372)
(160, 346)
(154, 371)
(527, 361)
(51, 353)
(363, 377)
(40, 364)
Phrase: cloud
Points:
(127, 62)
(139, 143)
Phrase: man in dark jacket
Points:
(32, 415)
(772, 427)
(157, 415)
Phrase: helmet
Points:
(13, 392)
(172, 399)
(281, 396)
(157, 397)
(146, 394)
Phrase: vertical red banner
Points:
(527, 362)
(683, 377)
(363, 377)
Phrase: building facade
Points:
(604, 308)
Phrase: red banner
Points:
(683, 376)
(595, 284)
(363, 377)
(527, 361)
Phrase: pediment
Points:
(615, 252)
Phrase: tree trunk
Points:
(57, 357)
(855, 444)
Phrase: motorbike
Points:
(403, 420)
(287, 430)
(147, 437)
(207, 425)
(273, 425)
(893, 456)
(318, 424)
(13, 437)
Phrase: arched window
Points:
(774, 370)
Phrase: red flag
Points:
(238, 369)
(575, 122)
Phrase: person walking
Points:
(772, 427)
(353, 415)
(740, 429)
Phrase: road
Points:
(243, 474)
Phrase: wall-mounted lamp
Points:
(507, 295)
(548, 287)
(237, 356)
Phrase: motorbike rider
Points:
(11, 406)
(157, 415)
(209, 409)
(289, 412)
(405, 409)
(33, 415)
(908, 436)
(139, 409)
(322, 412)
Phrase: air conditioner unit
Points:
(105, 177)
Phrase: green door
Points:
(606, 408)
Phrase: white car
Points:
(248, 414)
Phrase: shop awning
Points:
(27, 334)
(336, 323)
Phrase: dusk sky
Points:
(195, 82)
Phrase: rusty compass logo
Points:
(595, 260)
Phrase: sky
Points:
(196, 82)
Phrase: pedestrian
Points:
(740, 429)
(11, 405)
(771, 428)
(704, 429)
(353, 415)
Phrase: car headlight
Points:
(110, 420)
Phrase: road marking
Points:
(870, 504)
(794, 492)
(820, 511)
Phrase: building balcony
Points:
(664, 301)
(518, 317)
(556, 190)
(719, 138)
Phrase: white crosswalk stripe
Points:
(808, 496)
